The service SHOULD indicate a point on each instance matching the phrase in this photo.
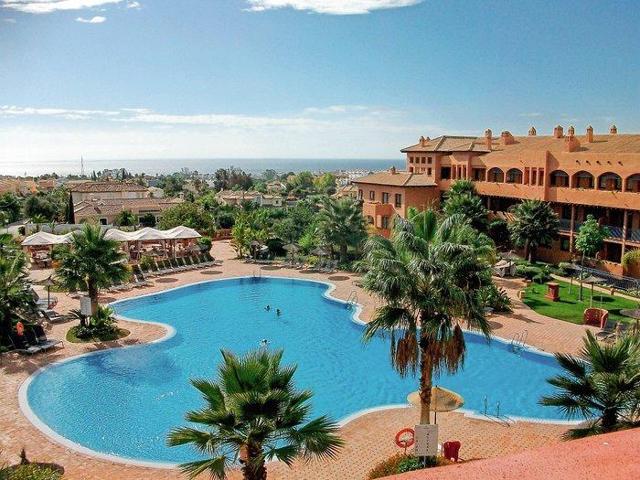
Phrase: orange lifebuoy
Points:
(20, 329)
(401, 438)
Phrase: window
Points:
(410, 159)
(423, 159)
(429, 171)
(360, 194)
(399, 199)
(445, 173)
(372, 194)
(429, 160)
(385, 222)
(103, 221)
(564, 244)
(385, 197)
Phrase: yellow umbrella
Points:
(442, 400)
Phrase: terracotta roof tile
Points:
(117, 205)
(94, 187)
(398, 179)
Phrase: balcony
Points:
(633, 235)
(565, 224)
(603, 198)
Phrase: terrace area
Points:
(369, 438)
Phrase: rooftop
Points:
(608, 143)
(94, 187)
(116, 205)
(397, 179)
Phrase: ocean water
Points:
(153, 166)
(123, 402)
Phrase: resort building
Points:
(18, 186)
(588, 174)
(237, 197)
(106, 191)
(105, 211)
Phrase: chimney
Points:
(557, 132)
(589, 134)
(488, 137)
(392, 170)
(532, 132)
(571, 141)
(423, 141)
(507, 138)
(613, 130)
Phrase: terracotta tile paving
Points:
(369, 438)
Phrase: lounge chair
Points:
(596, 316)
(139, 282)
(43, 341)
(21, 345)
(52, 316)
(43, 302)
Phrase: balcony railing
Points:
(565, 224)
(614, 232)
(633, 234)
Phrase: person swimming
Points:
(267, 308)
(278, 312)
(264, 343)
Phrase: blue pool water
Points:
(124, 401)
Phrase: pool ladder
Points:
(518, 341)
(352, 300)
(506, 421)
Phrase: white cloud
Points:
(65, 113)
(331, 7)
(49, 6)
(136, 5)
(134, 133)
(96, 19)
(531, 114)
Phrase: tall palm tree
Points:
(16, 297)
(254, 413)
(601, 384)
(341, 223)
(429, 274)
(535, 225)
(92, 262)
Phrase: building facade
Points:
(106, 191)
(105, 211)
(579, 175)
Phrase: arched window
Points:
(610, 181)
(583, 179)
(514, 175)
(633, 183)
(369, 219)
(559, 178)
(495, 175)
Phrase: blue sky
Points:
(129, 79)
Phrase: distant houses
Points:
(237, 197)
(101, 202)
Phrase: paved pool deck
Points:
(369, 438)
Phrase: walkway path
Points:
(369, 438)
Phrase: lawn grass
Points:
(570, 309)
(71, 336)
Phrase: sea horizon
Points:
(201, 165)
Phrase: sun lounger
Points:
(52, 316)
(21, 345)
(42, 339)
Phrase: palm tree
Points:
(253, 413)
(429, 274)
(16, 297)
(341, 223)
(535, 225)
(602, 384)
(125, 218)
(90, 262)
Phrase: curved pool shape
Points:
(122, 402)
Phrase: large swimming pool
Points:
(122, 402)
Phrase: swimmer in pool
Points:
(278, 312)
(267, 308)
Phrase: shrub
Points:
(496, 299)
(147, 262)
(225, 220)
(30, 471)
(401, 463)
(566, 269)
(205, 243)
